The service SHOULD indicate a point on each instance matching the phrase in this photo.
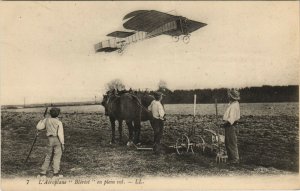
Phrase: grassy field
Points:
(268, 143)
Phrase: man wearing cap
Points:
(231, 116)
(157, 122)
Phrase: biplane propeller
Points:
(145, 24)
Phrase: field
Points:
(268, 143)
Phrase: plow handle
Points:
(218, 136)
(45, 113)
(36, 135)
(35, 138)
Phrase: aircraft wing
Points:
(194, 25)
(191, 27)
(134, 13)
(147, 21)
(120, 34)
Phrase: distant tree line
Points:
(248, 95)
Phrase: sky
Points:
(47, 48)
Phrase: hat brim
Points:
(234, 97)
(159, 94)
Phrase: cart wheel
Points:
(186, 39)
(201, 144)
(191, 146)
(182, 144)
(175, 38)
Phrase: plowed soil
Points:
(267, 145)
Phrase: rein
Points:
(139, 102)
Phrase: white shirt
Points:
(157, 109)
(232, 112)
(53, 126)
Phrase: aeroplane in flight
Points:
(145, 24)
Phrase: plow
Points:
(210, 140)
(207, 140)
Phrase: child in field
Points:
(55, 134)
(231, 116)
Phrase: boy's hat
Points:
(158, 94)
(54, 112)
(234, 94)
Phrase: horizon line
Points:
(139, 89)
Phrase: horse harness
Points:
(110, 101)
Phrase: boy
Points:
(55, 134)
(231, 116)
(157, 122)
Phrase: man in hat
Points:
(55, 134)
(231, 116)
(157, 122)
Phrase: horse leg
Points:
(137, 131)
(130, 129)
(120, 129)
(112, 122)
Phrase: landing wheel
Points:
(182, 144)
(175, 38)
(120, 51)
(122, 48)
(186, 39)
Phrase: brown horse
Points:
(129, 107)
(111, 112)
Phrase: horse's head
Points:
(106, 97)
(146, 99)
(104, 103)
(108, 101)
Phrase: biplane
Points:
(145, 24)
